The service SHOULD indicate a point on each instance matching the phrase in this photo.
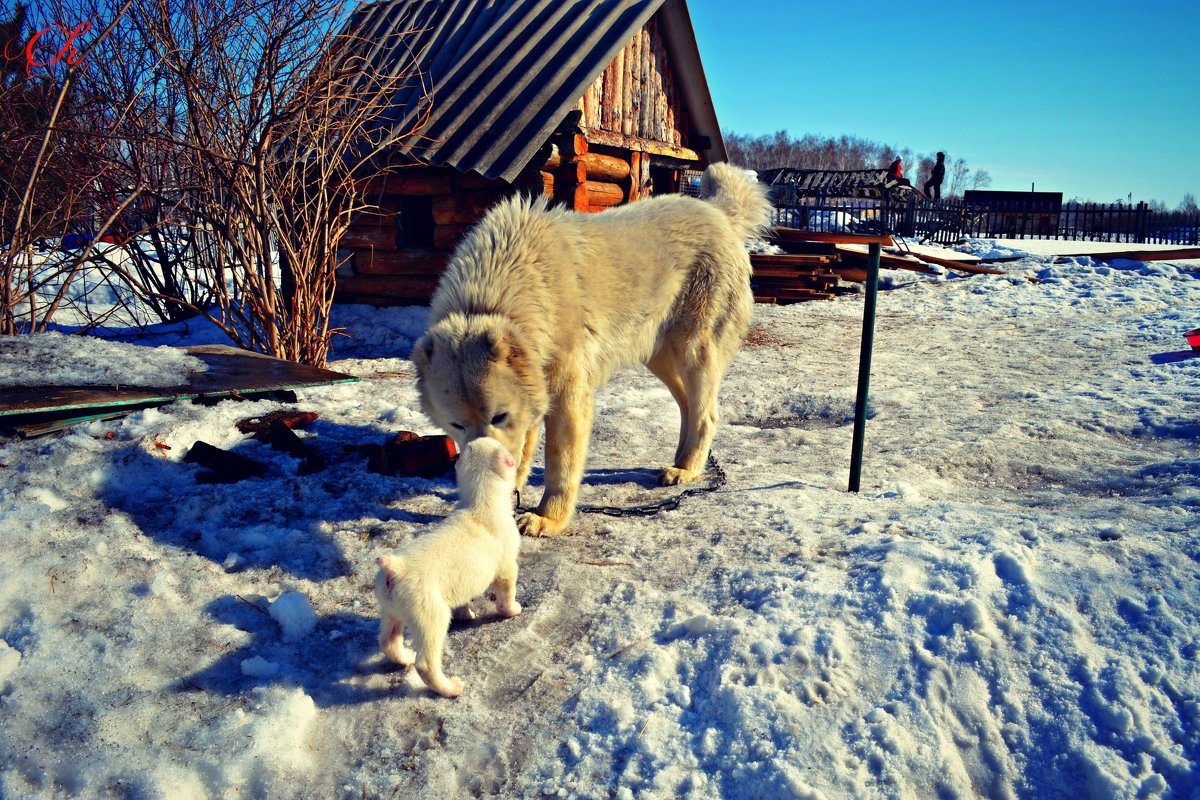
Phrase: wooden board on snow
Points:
(232, 373)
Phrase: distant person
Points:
(933, 186)
(895, 174)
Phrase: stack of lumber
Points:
(814, 266)
(792, 278)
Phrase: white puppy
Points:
(436, 575)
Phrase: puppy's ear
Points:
(389, 564)
(422, 352)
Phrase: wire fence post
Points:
(864, 366)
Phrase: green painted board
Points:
(231, 373)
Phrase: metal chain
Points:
(651, 509)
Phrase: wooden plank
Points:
(447, 237)
(782, 275)
(230, 371)
(635, 172)
(854, 274)
(858, 257)
(605, 168)
(412, 287)
(630, 142)
(794, 235)
(465, 207)
(401, 262)
(962, 266)
(784, 297)
(603, 194)
(807, 248)
(414, 180)
(788, 259)
(371, 237)
(1179, 254)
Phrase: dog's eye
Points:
(457, 427)
(500, 418)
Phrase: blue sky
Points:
(1098, 100)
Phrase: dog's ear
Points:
(497, 344)
(505, 346)
(422, 352)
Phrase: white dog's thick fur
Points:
(539, 306)
(436, 575)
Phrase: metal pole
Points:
(864, 366)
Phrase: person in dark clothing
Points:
(933, 186)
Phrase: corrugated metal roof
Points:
(494, 78)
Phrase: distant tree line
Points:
(809, 151)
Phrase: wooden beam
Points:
(407, 288)
(414, 180)
(629, 142)
(465, 207)
(962, 266)
(403, 262)
(794, 235)
(603, 194)
(605, 168)
(371, 237)
(635, 175)
(447, 237)
(789, 259)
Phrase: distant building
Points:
(1017, 213)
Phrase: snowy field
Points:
(1009, 608)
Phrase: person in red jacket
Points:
(895, 176)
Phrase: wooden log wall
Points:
(387, 270)
(637, 95)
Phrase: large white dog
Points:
(539, 306)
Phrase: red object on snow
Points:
(1193, 338)
(412, 455)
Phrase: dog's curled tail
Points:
(736, 192)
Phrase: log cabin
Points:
(592, 103)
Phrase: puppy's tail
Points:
(736, 192)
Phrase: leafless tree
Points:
(50, 182)
(981, 179)
(247, 128)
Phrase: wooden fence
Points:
(913, 216)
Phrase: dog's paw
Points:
(451, 687)
(463, 613)
(532, 524)
(672, 476)
(508, 610)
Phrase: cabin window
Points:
(414, 220)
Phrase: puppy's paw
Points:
(532, 524)
(672, 476)
(400, 654)
(463, 613)
(451, 687)
(509, 609)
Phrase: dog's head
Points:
(478, 379)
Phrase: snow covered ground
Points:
(1010, 607)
